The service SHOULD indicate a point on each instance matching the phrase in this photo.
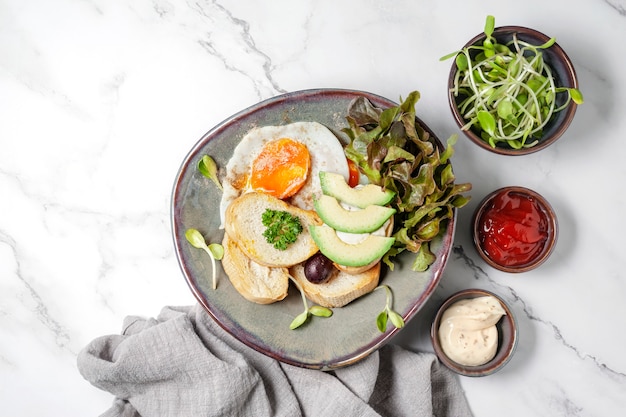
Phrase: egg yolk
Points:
(281, 168)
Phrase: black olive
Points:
(318, 268)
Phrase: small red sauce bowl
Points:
(499, 241)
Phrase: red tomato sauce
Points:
(513, 229)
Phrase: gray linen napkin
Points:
(183, 364)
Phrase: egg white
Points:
(326, 155)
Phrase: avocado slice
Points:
(335, 185)
(365, 220)
(338, 251)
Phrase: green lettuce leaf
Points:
(393, 150)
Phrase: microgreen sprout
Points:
(208, 168)
(388, 313)
(315, 310)
(215, 250)
(507, 90)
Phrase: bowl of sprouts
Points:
(512, 90)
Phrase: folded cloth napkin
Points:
(183, 364)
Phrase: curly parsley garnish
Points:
(282, 228)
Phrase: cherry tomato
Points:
(353, 180)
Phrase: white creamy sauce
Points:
(468, 332)
(356, 238)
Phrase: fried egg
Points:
(284, 161)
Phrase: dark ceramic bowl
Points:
(545, 210)
(262, 327)
(507, 337)
(564, 76)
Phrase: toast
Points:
(255, 282)
(243, 224)
(340, 289)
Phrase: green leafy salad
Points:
(395, 152)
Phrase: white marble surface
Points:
(101, 100)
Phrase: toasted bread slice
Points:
(256, 283)
(243, 224)
(340, 289)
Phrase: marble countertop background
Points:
(100, 101)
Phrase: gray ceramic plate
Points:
(322, 343)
